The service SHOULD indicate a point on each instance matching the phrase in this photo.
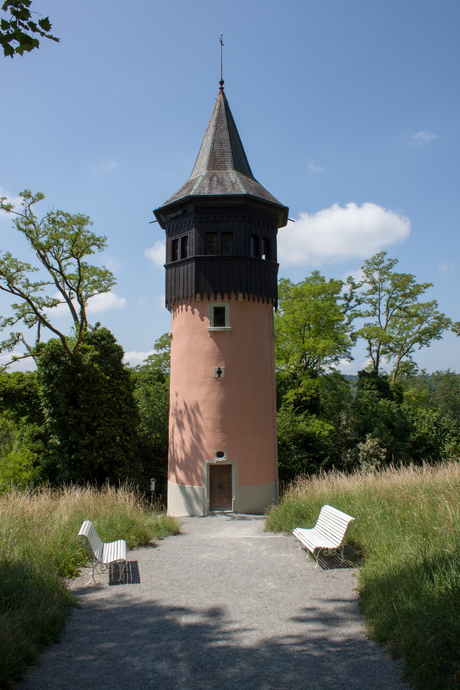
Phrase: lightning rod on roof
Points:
(221, 62)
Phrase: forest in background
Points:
(352, 423)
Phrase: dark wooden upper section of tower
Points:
(221, 225)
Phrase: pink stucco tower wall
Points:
(221, 289)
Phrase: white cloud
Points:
(336, 234)
(96, 305)
(447, 269)
(27, 364)
(352, 367)
(421, 139)
(113, 263)
(161, 301)
(314, 167)
(357, 275)
(135, 358)
(104, 302)
(346, 363)
(103, 167)
(157, 253)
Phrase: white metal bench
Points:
(328, 535)
(102, 555)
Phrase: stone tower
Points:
(221, 288)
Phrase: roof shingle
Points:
(221, 166)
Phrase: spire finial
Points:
(221, 63)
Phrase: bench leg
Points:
(332, 552)
(316, 556)
(104, 568)
(93, 565)
(302, 546)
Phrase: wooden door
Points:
(220, 487)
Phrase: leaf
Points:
(8, 50)
(45, 24)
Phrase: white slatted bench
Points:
(328, 535)
(102, 555)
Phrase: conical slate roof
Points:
(221, 166)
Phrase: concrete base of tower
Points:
(255, 499)
(185, 500)
(192, 500)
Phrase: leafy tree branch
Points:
(396, 323)
(313, 330)
(62, 242)
(18, 31)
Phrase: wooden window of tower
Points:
(174, 250)
(184, 247)
(265, 249)
(254, 246)
(227, 243)
(211, 243)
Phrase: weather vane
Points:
(221, 63)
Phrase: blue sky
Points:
(348, 111)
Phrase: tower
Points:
(221, 289)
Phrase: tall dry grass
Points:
(47, 521)
(408, 530)
(38, 548)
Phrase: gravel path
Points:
(221, 606)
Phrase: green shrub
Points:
(18, 469)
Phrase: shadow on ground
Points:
(147, 645)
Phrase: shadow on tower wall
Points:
(186, 442)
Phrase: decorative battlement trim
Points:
(212, 298)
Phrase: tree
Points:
(20, 29)
(446, 394)
(312, 329)
(302, 438)
(406, 434)
(313, 333)
(90, 411)
(398, 323)
(19, 397)
(151, 393)
(61, 242)
(158, 363)
(438, 391)
(23, 436)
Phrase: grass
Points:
(39, 549)
(408, 530)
